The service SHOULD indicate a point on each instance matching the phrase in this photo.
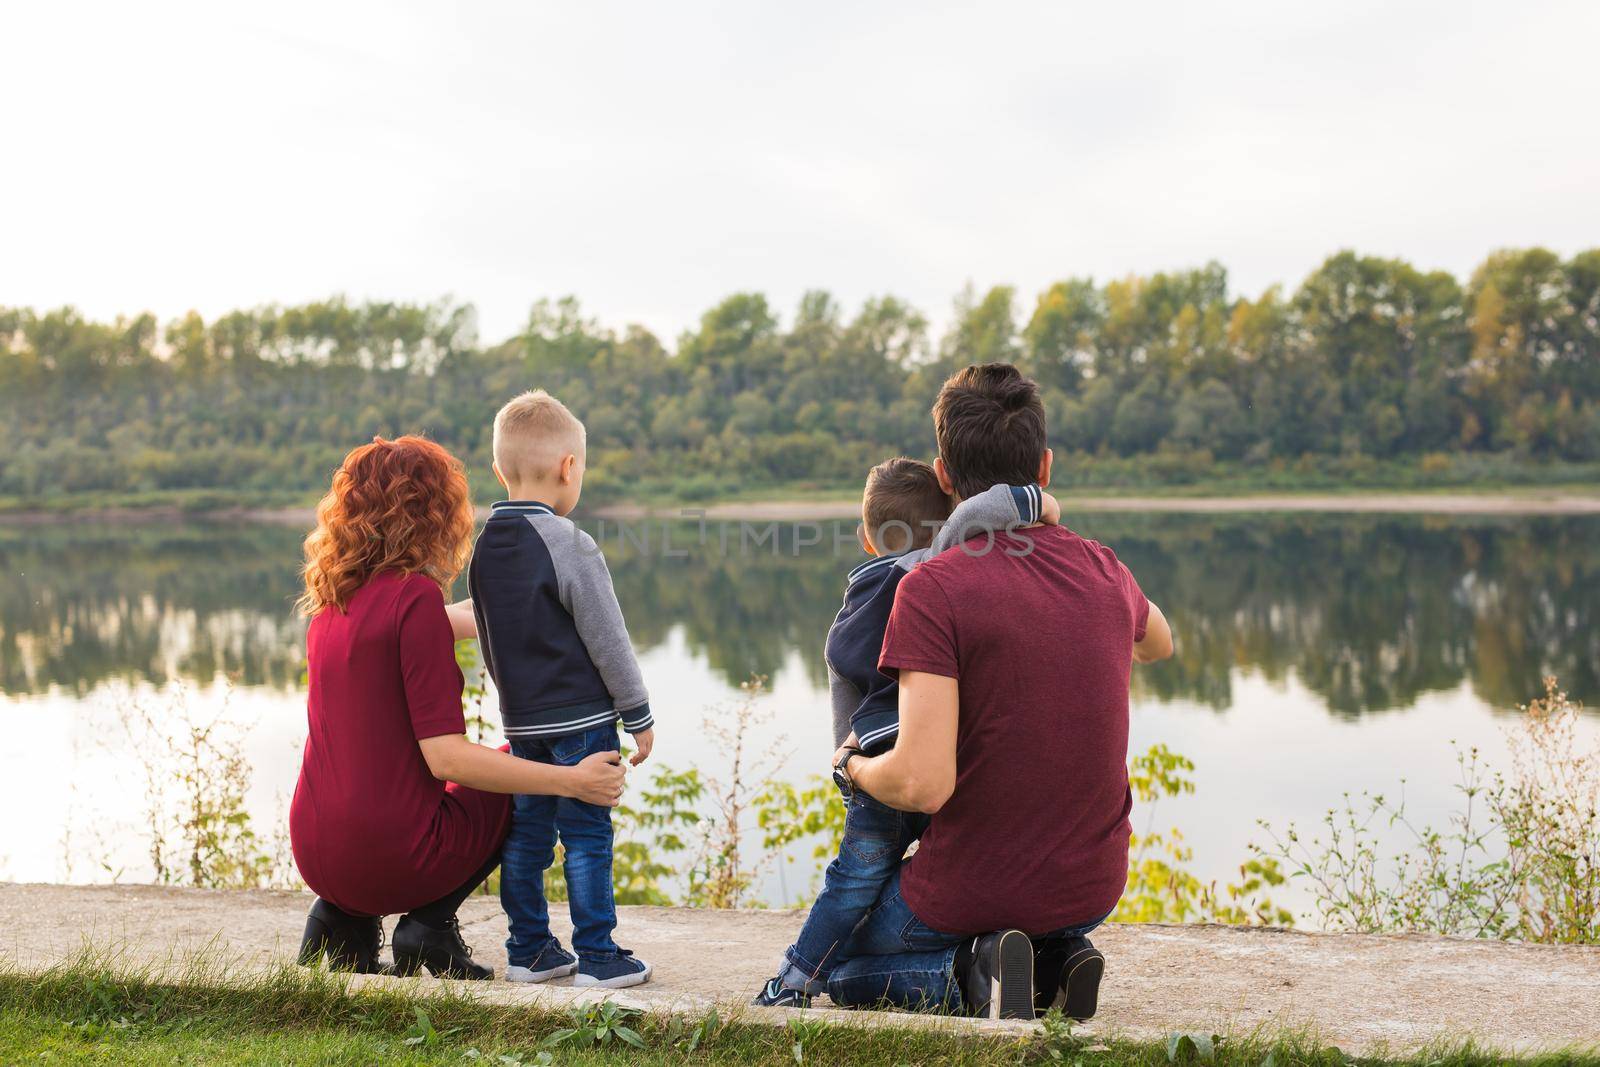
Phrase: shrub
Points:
(1519, 859)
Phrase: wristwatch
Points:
(841, 773)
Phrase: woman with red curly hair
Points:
(396, 810)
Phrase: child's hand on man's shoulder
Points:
(1049, 509)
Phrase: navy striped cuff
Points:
(1030, 503)
(636, 720)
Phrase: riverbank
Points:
(1240, 982)
(1575, 500)
(1520, 502)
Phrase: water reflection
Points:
(1368, 612)
(82, 604)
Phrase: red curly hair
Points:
(398, 505)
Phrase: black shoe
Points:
(997, 981)
(1080, 983)
(1048, 956)
(1067, 976)
(349, 942)
(441, 950)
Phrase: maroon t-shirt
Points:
(373, 830)
(1035, 836)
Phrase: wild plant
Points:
(1161, 888)
(788, 814)
(1519, 858)
(599, 1025)
(722, 871)
(198, 828)
(1548, 815)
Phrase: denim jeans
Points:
(876, 837)
(585, 833)
(897, 960)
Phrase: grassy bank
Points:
(93, 1011)
(1108, 477)
(1181, 474)
(155, 502)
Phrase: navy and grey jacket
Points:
(865, 699)
(550, 628)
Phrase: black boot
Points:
(350, 942)
(1067, 976)
(995, 973)
(441, 950)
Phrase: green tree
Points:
(1142, 419)
(1370, 355)
(1061, 334)
(1210, 418)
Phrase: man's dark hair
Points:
(989, 422)
(902, 504)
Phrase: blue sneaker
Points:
(777, 995)
(553, 962)
(612, 972)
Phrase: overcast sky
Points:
(652, 158)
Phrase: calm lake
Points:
(1317, 655)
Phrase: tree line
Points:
(1370, 367)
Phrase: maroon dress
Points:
(373, 831)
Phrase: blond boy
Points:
(555, 643)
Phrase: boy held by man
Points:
(554, 641)
(905, 519)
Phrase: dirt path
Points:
(1361, 993)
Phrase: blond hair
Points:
(532, 434)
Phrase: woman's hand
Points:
(598, 779)
(454, 758)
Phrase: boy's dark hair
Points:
(989, 423)
(903, 501)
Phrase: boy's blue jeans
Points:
(896, 959)
(585, 832)
(876, 837)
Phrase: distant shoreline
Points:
(1414, 503)
(1489, 502)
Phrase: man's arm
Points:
(919, 773)
(1157, 643)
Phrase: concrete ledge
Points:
(1359, 992)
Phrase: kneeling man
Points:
(1013, 653)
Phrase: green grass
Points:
(93, 1010)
